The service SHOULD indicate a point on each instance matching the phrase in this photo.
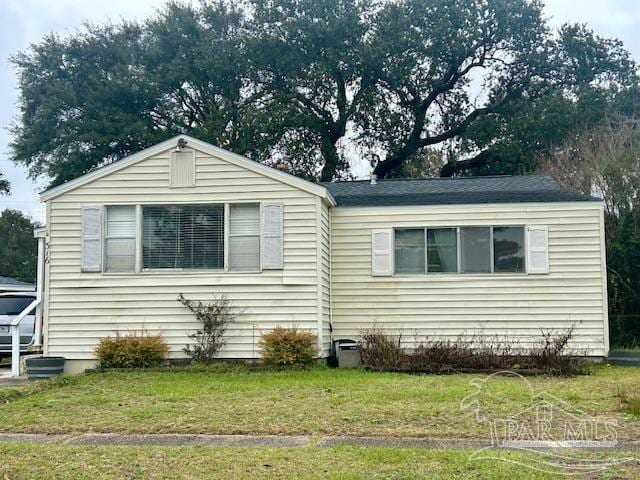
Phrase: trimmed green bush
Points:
(131, 351)
(283, 347)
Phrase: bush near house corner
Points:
(283, 347)
(131, 351)
(548, 356)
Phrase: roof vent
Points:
(374, 179)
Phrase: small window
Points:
(410, 251)
(183, 237)
(120, 239)
(508, 249)
(475, 243)
(244, 237)
(442, 250)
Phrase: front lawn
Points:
(316, 402)
(23, 461)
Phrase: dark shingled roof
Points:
(452, 191)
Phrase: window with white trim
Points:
(183, 237)
(508, 249)
(120, 239)
(442, 250)
(244, 237)
(409, 251)
(467, 250)
(475, 250)
(134, 238)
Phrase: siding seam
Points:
(605, 297)
(319, 274)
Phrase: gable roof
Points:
(205, 147)
(452, 191)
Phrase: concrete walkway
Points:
(282, 441)
(6, 380)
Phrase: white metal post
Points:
(15, 337)
(15, 350)
(39, 290)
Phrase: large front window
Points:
(492, 249)
(183, 237)
(234, 237)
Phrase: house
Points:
(444, 258)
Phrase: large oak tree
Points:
(94, 97)
(480, 84)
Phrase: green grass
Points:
(316, 402)
(26, 461)
(630, 402)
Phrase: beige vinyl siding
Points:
(83, 307)
(448, 306)
(324, 268)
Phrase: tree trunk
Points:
(412, 145)
(384, 168)
(331, 160)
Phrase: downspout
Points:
(330, 216)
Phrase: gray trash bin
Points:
(347, 353)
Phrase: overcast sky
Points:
(27, 21)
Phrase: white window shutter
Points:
(537, 249)
(382, 252)
(91, 239)
(272, 236)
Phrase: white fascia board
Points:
(587, 204)
(257, 167)
(106, 170)
(198, 145)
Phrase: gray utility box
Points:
(347, 353)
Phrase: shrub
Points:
(215, 317)
(131, 351)
(379, 350)
(288, 346)
(549, 356)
